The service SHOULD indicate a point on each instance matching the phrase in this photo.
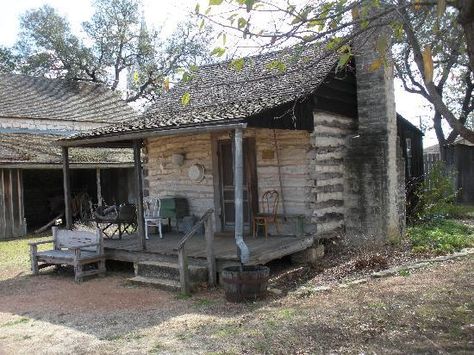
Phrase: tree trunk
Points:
(466, 19)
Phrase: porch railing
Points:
(207, 221)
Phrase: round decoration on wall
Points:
(196, 172)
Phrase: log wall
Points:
(163, 178)
(328, 171)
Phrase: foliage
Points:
(116, 48)
(440, 236)
(7, 60)
(427, 31)
(436, 194)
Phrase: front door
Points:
(226, 173)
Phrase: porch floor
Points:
(261, 250)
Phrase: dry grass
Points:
(426, 311)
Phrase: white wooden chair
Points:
(152, 216)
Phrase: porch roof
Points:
(28, 150)
(221, 94)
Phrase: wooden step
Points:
(163, 284)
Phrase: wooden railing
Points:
(207, 221)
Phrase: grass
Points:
(15, 254)
(457, 211)
(15, 322)
(440, 236)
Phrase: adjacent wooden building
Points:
(34, 113)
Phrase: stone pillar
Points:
(372, 179)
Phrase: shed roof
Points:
(26, 149)
(219, 92)
(24, 96)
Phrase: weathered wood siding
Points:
(12, 221)
(327, 170)
(293, 161)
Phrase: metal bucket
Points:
(246, 284)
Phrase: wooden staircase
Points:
(165, 274)
(182, 273)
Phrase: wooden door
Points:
(226, 184)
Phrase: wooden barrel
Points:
(246, 284)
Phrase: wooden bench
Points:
(76, 248)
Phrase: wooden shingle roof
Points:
(58, 99)
(220, 92)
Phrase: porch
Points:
(262, 250)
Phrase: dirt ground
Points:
(427, 311)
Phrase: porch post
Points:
(67, 188)
(99, 187)
(139, 192)
(243, 250)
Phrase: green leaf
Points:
(136, 77)
(218, 51)
(343, 60)
(237, 64)
(334, 43)
(185, 98)
(196, 9)
(215, 2)
(201, 25)
(276, 64)
(241, 22)
(249, 4)
(187, 77)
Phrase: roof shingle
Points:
(59, 99)
(220, 92)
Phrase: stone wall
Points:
(372, 198)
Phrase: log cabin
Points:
(324, 138)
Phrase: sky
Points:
(166, 14)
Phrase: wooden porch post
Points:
(67, 188)
(99, 187)
(242, 251)
(139, 191)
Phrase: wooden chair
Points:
(268, 212)
(76, 248)
(152, 215)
